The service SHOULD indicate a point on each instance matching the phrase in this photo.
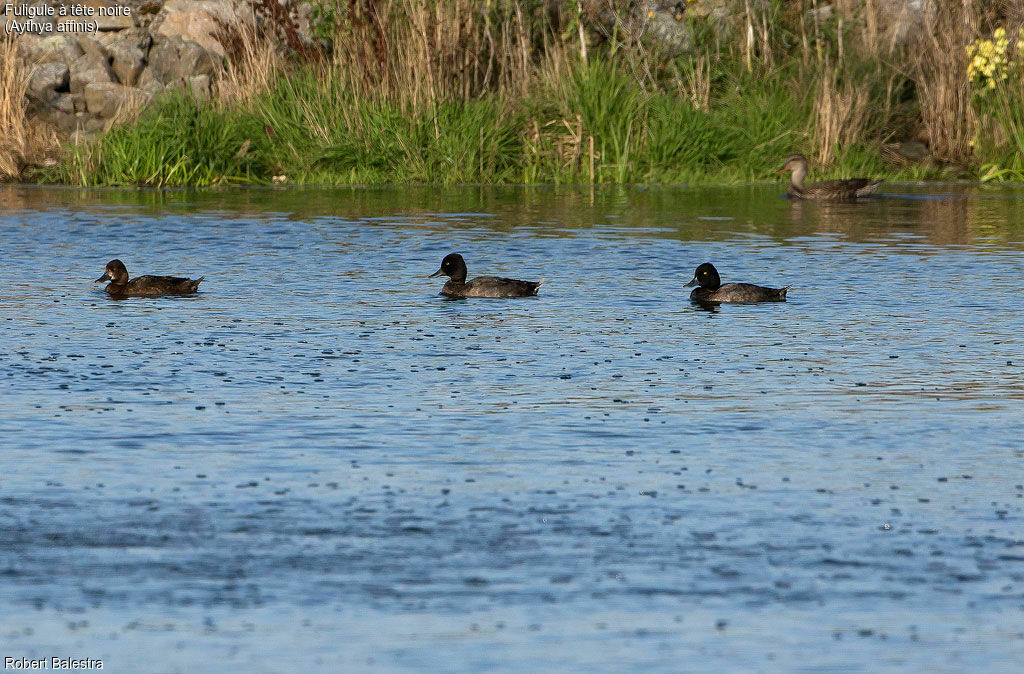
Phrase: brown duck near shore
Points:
(849, 188)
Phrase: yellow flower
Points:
(987, 60)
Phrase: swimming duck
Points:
(120, 286)
(712, 290)
(850, 188)
(454, 267)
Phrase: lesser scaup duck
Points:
(454, 267)
(850, 188)
(120, 286)
(712, 290)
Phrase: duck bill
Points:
(436, 273)
(782, 170)
(105, 277)
(692, 283)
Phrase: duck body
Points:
(835, 190)
(711, 289)
(454, 266)
(121, 286)
(490, 286)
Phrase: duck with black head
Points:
(454, 267)
(120, 286)
(713, 290)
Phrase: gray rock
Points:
(66, 121)
(199, 86)
(163, 59)
(173, 60)
(52, 115)
(46, 80)
(93, 125)
(65, 103)
(86, 71)
(53, 49)
(907, 20)
(128, 55)
(107, 21)
(105, 99)
(666, 28)
(92, 47)
(821, 13)
(195, 60)
(148, 83)
(91, 67)
(197, 21)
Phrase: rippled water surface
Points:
(319, 464)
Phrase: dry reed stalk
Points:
(591, 141)
(13, 122)
(416, 54)
(254, 66)
(842, 110)
(938, 64)
(695, 83)
(23, 141)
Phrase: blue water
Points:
(319, 464)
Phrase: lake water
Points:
(319, 464)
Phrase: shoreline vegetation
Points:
(526, 92)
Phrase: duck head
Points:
(797, 163)
(115, 272)
(452, 266)
(706, 276)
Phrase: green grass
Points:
(176, 142)
(315, 131)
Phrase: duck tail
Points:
(869, 189)
(783, 291)
(195, 284)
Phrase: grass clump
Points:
(178, 141)
(516, 91)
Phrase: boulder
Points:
(46, 80)
(87, 69)
(128, 54)
(665, 27)
(92, 125)
(174, 60)
(53, 49)
(105, 99)
(197, 21)
(148, 83)
(907, 20)
(199, 86)
(65, 103)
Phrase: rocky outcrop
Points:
(123, 53)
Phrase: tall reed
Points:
(13, 122)
(937, 64)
